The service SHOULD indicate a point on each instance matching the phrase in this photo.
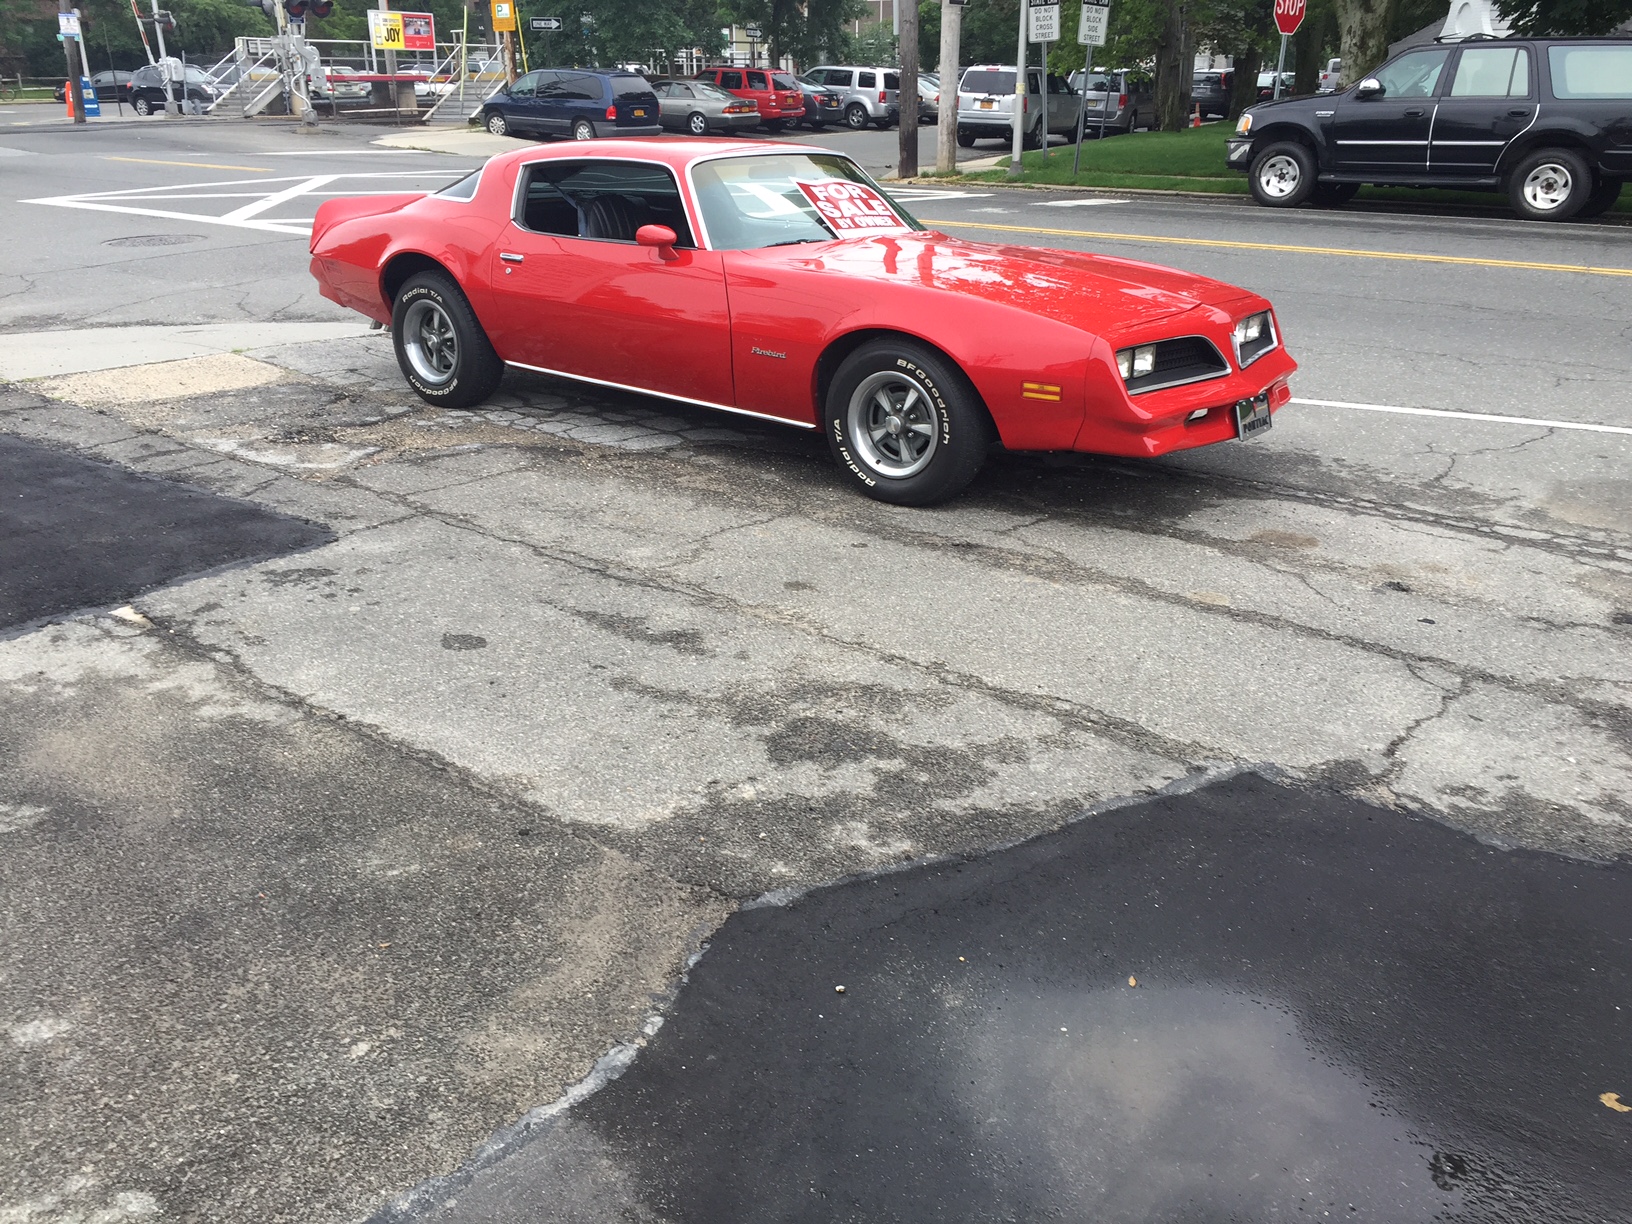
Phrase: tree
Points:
(1565, 17)
(1175, 59)
(1362, 35)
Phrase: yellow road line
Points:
(1346, 252)
(149, 161)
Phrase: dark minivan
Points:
(582, 103)
(1547, 121)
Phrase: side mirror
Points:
(660, 238)
(1371, 87)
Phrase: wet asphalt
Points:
(75, 533)
(1248, 1002)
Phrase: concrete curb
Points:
(1079, 189)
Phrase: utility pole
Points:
(906, 162)
(1019, 97)
(164, 62)
(76, 95)
(391, 66)
(946, 127)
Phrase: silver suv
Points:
(986, 105)
(868, 95)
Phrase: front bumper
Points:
(1238, 152)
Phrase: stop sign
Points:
(1289, 15)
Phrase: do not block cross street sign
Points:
(1289, 15)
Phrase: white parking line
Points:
(1079, 203)
(1467, 416)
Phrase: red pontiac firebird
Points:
(780, 282)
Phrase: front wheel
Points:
(441, 347)
(1283, 175)
(905, 424)
(697, 123)
(1602, 199)
(496, 124)
(583, 129)
(855, 116)
(1550, 185)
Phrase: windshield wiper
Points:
(793, 242)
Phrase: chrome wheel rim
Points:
(1548, 186)
(429, 340)
(582, 131)
(893, 424)
(495, 124)
(699, 126)
(1279, 176)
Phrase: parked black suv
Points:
(1548, 121)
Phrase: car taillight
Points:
(1121, 101)
(882, 97)
(612, 111)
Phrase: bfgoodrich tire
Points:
(904, 424)
(441, 348)
(1283, 175)
(1550, 185)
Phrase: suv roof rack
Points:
(1479, 36)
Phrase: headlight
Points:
(1253, 336)
(1136, 362)
(1244, 124)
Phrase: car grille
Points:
(1186, 359)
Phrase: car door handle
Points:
(1415, 112)
(508, 257)
(1520, 113)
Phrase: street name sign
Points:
(1289, 15)
(1044, 19)
(1091, 25)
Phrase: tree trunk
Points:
(1175, 64)
(1307, 45)
(1362, 35)
(1247, 65)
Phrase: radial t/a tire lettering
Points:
(441, 347)
(904, 423)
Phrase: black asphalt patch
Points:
(75, 533)
(1246, 1003)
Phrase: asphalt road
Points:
(321, 872)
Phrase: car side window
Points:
(1058, 85)
(1034, 83)
(1492, 72)
(1591, 72)
(730, 80)
(756, 80)
(1414, 75)
(604, 199)
(866, 80)
(525, 87)
(583, 86)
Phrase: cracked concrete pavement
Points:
(320, 870)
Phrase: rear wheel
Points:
(1603, 197)
(143, 106)
(496, 124)
(583, 129)
(1283, 175)
(905, 424)
(697, 123)
(855, 117)
(441, 348)
(1550, 185)
(1032, 139)
(966, 139)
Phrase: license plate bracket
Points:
(1252, 417)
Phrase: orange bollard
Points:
(1195, 119)
(68, 97)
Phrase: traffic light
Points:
(296, 9)
(320, 8)
(167, 21)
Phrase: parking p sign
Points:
(1289, 15)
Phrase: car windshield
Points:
(757, 201)
(630, 87)
(980, 82)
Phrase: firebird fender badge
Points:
(759, 352)
(1040, 391)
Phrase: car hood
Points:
(1098, 293)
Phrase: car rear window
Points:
(892, 81)
(976, 81)
(1591, 72)
(630, 87)
(781, 80)
(1099, 84)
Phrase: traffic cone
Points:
(1195, 119)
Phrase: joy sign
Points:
(853, 208)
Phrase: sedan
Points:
(700, 108)
(780, 282)
(111, 86)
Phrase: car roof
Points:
(676, 152)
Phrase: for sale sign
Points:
(849, 209)
(1289, 15)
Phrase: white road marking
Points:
(1079, 203)
(919, 195)
(264, 194)
(1467, 416)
